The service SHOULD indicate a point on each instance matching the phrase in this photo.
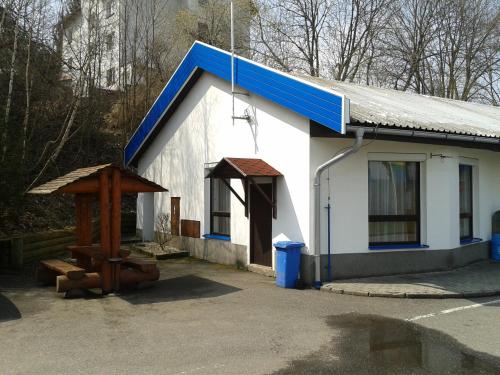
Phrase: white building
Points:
(417, 193)
(104, 37)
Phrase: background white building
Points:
(117, 42)
(108, 40)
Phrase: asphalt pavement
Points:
(202, 318)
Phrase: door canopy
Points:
(247, 169)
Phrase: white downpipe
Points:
(317, 200)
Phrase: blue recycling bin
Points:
(495, 247)
(287, 263)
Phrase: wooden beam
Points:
(88, 281)
(93, 251)
(274, 199)
(145, 265)
(116, 209)
(132, 276)
(105, 229)
(90, 185)
(233, 191)
(259, 189)
(246, 185)
(83, 229)
(133, 185)
(70, 271)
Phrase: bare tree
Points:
(291, 33)
(351, 36)
(12, 69)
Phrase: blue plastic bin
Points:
(495, 247)
(287, 263)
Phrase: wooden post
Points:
(175, 215)
(116, 208)
(83, 231)
(105, 230)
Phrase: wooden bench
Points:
(144, 265)
(49, 269)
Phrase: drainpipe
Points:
(317, 200)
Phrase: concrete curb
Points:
(412, 295)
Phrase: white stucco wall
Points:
(439, 191)
(201, 131)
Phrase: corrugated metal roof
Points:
(53, 186)
(389, 107)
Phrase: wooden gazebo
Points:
(101, 265)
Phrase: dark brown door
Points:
(261, 226)
(175, 214)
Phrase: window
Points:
(92, 21)
(69, 35)
(110, 77)
(394, 202)
(109, 8)
(110, 41)
(220, 208)
(202, 31)
(465, 180)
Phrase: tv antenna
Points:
(233, 91)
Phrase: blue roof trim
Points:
(304, 98)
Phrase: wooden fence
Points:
(17, 251)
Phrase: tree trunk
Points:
(9, 94)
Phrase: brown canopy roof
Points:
(242, 168)
(86, 180)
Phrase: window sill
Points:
(217, 237)
(470, 241)
(398, 247)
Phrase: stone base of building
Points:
(216, 251)
(211, 250)
(345, 266)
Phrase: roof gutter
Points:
(317, 200)
(423, 134)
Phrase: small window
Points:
(69, 35)
(394, 202)
(110, 41)
(220, 208)
(109, 8)
(110, 77)
(202, 31)
(466, 202)
(92, 21)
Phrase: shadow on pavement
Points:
(178, 289)
(8, 311)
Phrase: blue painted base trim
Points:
(399, 247)
(216, 237)
(470, 240)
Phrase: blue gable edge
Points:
(307, 99)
